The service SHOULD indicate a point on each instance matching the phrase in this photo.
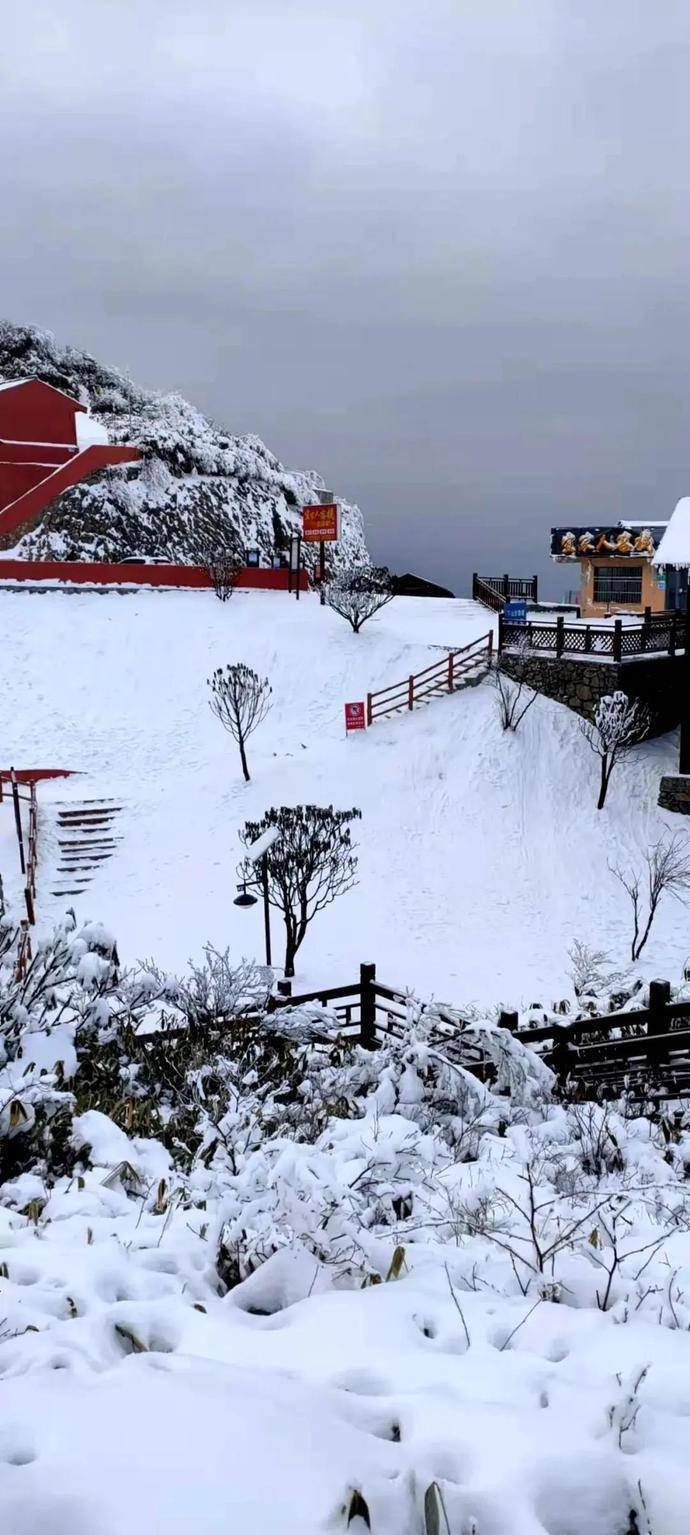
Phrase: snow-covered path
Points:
(481, 854)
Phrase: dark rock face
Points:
(196, 484)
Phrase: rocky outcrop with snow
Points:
(196, 483)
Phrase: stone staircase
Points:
(86, 839)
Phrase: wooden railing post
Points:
(367, 1015)
(475, 578)
(370, 714)
(535, 588)
(450, 672)
(659, 998)
(617, 639)
(29, 905)
(410, 692)
(507, 1020)
(506, 587)
(18, 821)
(560, 635)
(490, 644)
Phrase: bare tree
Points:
(220, 563)
(309, 865)
(241, 700)
(513, 698)
(358, 592)
(666, 869)
(619, 724)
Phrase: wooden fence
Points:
(644, 1052)
(495, 591)
(446, 676)
(654, 634)
(366, 1009)
(28, 861)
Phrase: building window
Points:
(618, 584)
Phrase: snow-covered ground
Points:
(481, 854)
(317, 1306)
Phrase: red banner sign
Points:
(355, 717)
(321, 524)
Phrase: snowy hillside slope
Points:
(481, 854)
(196, 479)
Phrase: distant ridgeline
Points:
(195, 484)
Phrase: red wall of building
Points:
(33, 412)
(139, 575)
(16, 479)
(48, 454)
(21, 513)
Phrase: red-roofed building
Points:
(48, 443)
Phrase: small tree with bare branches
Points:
(241, 700)
(513, 698)
(310, 864)
(220, 564)
(666, 870)
(619, 724)
(358, 592)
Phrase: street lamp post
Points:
(258, 853)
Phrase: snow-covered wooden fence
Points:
(645, 1051)
(455, 671)
(654, 634)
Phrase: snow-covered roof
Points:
(674, 548)
(656, 522)
(16, 383)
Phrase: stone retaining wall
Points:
(674, 794)
(579, 685)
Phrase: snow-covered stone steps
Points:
(86, 840)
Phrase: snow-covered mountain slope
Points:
(196, 481)
(481, 854)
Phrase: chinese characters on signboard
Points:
(354, 717)
(584, 543)
(321, 524)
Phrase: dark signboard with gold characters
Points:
(585, 543)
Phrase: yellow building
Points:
(618, 573)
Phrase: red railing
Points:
(441, 677)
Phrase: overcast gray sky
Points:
(437, 249)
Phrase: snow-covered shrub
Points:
(359, 591)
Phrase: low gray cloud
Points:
(437, 251)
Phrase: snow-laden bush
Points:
(326, 1162)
